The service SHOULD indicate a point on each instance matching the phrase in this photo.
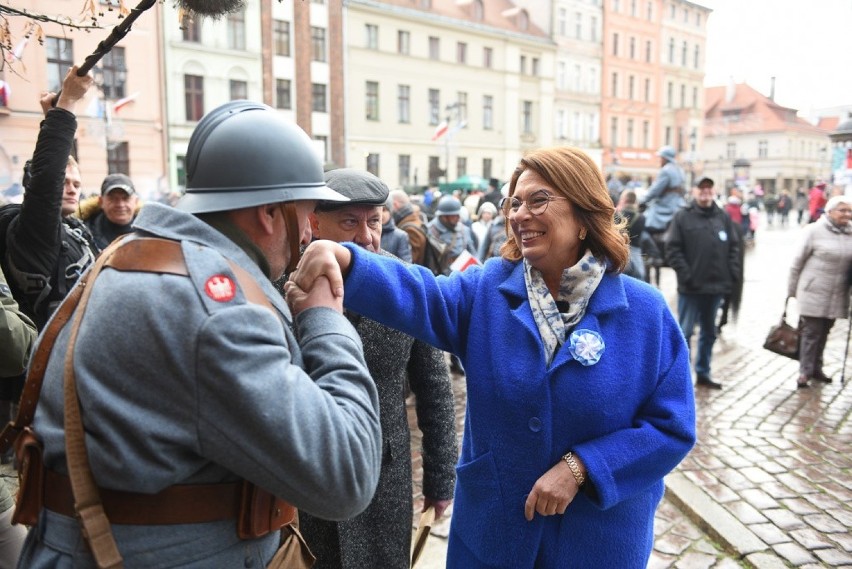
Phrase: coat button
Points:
(535, 424)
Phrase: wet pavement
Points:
(769, 483)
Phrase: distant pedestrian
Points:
(801, 205)
(703, 249)
(447, 227)
(785, 204)
(394, 240)
(770, 202)
(817, 199)
(479, 228)
(819, 281)
(493, 194)
(626, 209)
(663, 198)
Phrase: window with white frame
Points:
(371, 102)
(527, 117)
(403, 98)
(371, 36)
(434, 106)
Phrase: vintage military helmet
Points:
(667, 153)
(245, 154)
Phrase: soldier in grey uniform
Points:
(182, 380)
(664, 197)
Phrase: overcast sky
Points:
(804, 44)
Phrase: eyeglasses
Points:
(536, 203)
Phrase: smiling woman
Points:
(579, 395)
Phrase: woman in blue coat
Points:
(579, 391)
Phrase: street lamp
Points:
(692, 137)
(449, 109)
(823, 155)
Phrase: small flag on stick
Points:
(464, 261)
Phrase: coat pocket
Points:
(479, 516)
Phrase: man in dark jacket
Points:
(703, 249)
(47, 249)
(43, 247)
(381, 535)
(111, 214)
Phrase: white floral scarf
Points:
(577, 285)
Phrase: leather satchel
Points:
(783, 339)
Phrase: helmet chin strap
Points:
(293, 235)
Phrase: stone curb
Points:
(732, 535)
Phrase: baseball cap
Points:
(117, 182)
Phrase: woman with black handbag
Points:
(818, 280)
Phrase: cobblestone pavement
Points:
(768, 484)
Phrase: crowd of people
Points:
(223, 381)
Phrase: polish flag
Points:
(18, 52)
(464, 261)
(117, 106)
(441, 130)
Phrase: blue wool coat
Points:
(630, 417)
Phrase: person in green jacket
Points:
(17, 335)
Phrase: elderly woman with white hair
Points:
(819, 280)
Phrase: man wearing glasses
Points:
(703, 249)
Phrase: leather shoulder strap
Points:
(147, 254)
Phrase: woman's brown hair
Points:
(573, 175)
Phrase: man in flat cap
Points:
(111, 214)
(381, 535)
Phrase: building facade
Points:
(576, 27)
(631, 78)
(438, 89)
(683, 51)
(205, 62)
(770, 144)
(120, 127)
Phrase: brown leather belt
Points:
(178, 504)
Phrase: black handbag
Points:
(783, 339)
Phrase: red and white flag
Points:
(441, 130)
(18, 52)
(464, 261)
(119, 104)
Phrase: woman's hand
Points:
(552, 493)
(321, 259)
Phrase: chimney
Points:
(730, 90)
(772, 89)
